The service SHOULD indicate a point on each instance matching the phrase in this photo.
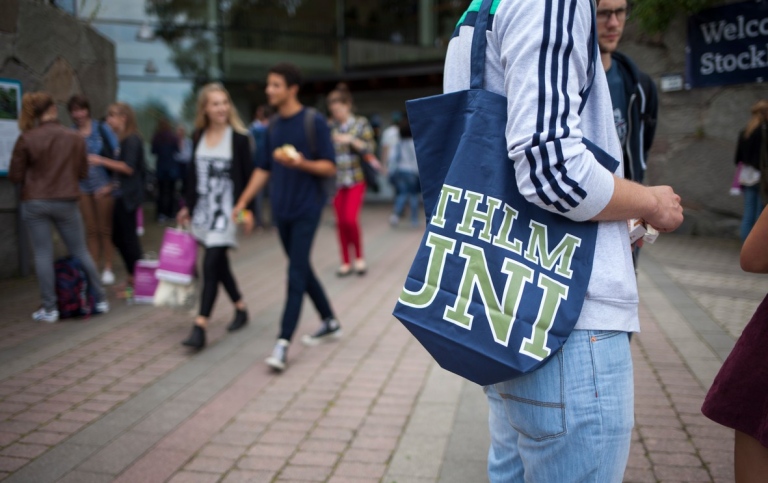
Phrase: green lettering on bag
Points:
(447, 193)
(501, 239)
(500, 316)
(440, 248)
(472, 214)
(554, 293)
(562, 255)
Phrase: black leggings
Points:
(124, 235)
(216, 269)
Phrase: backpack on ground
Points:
(75, 296)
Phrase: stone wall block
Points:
(95, 48)
(9, 258)
(58, 35)
(99, 82)
(701, 173)
(30, 81)
(728, 113)
(8, 23)
(8, 199)
(61, 81)
(7, 43)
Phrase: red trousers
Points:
(347, 203)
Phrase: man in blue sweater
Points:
(571, 419)
(298, 199)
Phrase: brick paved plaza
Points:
(117, 398)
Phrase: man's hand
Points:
(293, 162)
(667, 215)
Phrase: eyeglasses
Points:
(605, 15)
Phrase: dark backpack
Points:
(327, 183)
(75, 296)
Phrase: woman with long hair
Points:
(49, 161)
(96, 202)
(128, 172)
(752, 152)
(353, 140)
(221, 165)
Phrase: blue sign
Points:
(728, 45)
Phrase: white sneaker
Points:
(107, 278)
(330, 329)
(279, 355)
(102, 307)
(43, 315)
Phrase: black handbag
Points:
(370, 173)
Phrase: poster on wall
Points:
(728, 45)
(10, 109)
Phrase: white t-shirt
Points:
(212, 221)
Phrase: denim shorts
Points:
(570, 420)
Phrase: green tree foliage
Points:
(654, 16)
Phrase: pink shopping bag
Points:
(144, 281)
(178, 255)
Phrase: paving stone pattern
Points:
(116, 398)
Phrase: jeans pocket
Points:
(535, 403)
(596, 335)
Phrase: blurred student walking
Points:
(752, 152)
(404, 175)
(352, 139)
(49, 161)
(165, 147)
(221, 166)
(297, 201)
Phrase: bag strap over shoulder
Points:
(309, 129)
(479, 44)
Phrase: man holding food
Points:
(298, 163)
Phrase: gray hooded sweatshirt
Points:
(542, 57)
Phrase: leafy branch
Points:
(654, 16)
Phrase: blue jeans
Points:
(570, 420)
(296, 237)
(753, 206)
(407, 190)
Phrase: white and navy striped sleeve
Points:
(545, 54)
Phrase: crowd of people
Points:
(306, 161)
(90, 182)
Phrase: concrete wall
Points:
(49, 50)
(697, 133)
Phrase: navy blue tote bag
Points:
(498, 283)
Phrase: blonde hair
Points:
(759, 116)
(201, 119)
(131, 125)
(33, 106)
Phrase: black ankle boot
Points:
(240, 320)
(196, 339)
